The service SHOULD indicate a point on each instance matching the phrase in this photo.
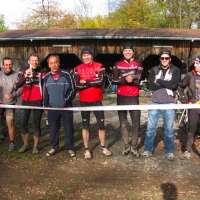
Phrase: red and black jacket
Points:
(122, 69)
(32, 87)
(93, 74)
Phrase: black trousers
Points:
(193, 117)
(36, 118)
(98, 114)
(135, 119)
(54, 119)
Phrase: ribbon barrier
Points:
(112, 107)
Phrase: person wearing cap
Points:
(163, 81)
(192, 82)
(89, 79)
(126, 75)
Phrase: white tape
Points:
(112, 108)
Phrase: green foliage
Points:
(96, 22)
(128, 14)
(2, 24)
(148, 14)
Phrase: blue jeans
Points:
(168, 119)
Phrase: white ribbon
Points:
(112, 107)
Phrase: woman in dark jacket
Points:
(192, 83)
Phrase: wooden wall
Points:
(20, 51)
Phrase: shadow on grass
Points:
(169, 191)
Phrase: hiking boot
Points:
(186, 155)
(35, 150)
(71, 153)
(23, 149)
(170, 156)
(11, 147)
(126, 150)
(51, 152)
(147, 154)
(135, 152)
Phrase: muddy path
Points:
(27, 177)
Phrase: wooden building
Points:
(106, 43)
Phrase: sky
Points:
(15, 11)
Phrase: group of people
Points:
(57, 89)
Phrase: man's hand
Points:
(82, 81)
(129, 78)
(28, 73)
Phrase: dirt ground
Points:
(28, 177)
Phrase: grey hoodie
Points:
(7, 84)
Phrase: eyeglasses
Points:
(164, 58)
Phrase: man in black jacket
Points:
(58, 89)
(163, 81)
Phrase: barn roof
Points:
(63, 34)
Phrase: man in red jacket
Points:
(126, 74)
(89, 79)
(30, 80)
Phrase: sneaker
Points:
(186, 155)
(35, 150)
(71, 153)
(135, 152)
(11, 147)
(23, 149)
(51, 152)
(126, 150)
(147, 154)
(105, 151)
(170, 156)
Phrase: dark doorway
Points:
(153, 60)
(68, 61)
(108, 60)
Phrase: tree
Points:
(83, 9)
(155, 14)
(2, 24)
(135, 14)
(180, 13)
(48, 14)
(67, 21)
(94, 22)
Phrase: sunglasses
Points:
(164, 58)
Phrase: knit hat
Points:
(127, 45)
(86, 50)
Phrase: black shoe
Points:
(135, 152)
(126, 150)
